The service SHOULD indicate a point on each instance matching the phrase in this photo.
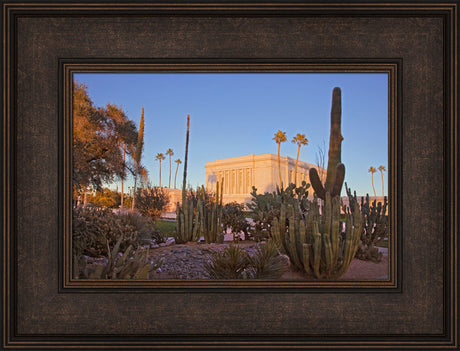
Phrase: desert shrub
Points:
(144, 225)
(151, 202)
(235, 263)
(231, 263)
(233, 217)
(267, 263)
(132, 264)
(95, 228)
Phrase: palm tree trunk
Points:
(279, 164)
(373, 185)
(122, 181)
(169, 185)
(184, 184)
(160, 173)
(296, 162)
(383, 190)
(175, 176)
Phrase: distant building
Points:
(241, 173)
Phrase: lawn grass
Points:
(166, 228)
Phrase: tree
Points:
(138, 156)
(160, 157)
(151, 201)
(300, 140)
(170, 153)
(178, 161)
(382, 169)
(127, 132)
(280, 137)
(96, 139)
(372, 170)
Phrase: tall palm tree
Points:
(382, 169)
(372, 170)
(160, 157)
(280, 137)
(178, 161)
(169, 152)
(300, 140)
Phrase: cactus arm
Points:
(328, 253)
(316, 183)
(306, 259)
(317, 255)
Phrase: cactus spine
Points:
(335, 169)
(316, 245)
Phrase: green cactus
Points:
(211, 214)
(335, 169)
(374, 225)
(316, 244)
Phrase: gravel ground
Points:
(186, 261)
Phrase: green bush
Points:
(151, 202)
(267, 263)
(234, 217)
(95, 228)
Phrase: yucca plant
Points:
(267, 263)
(231, 263)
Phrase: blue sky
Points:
(238, 114)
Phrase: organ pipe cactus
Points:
(335, 168)
(317, 244)
(211, 214)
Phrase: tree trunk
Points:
(296, 162)
(375, 194)
(383, 189)
(122, 181)
(175, 176)
(279, 165)
(169, 185)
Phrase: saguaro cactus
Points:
(335, 168)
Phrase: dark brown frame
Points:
(416, 308)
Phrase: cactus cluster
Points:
(374, 225)
(211, 214)
(315, 243)
(202, 217)
(335, 169)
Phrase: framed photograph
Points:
(372, 86)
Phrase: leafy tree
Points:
(105, 198)
(300, 140)
(127, 133)
(151, 201)
(382, 169)
(160, 157)
(170, 153)
(280, 137)
(372, 170)
(97, 157)
(178, 161)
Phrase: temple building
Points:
(241, 173)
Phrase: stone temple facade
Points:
(241, 173)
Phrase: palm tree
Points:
(372, 170)
(160, 157)
(300, 140)
(382, 169)
(280, 137)
(169, 152)
(178, 161)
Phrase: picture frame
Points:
(45, 41)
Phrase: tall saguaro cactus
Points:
(335, 167)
